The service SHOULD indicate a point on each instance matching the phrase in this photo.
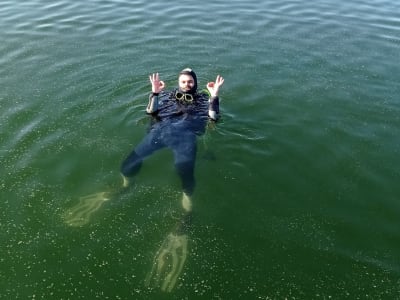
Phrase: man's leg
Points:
(185, 171)
(132, 164)
(185, 159)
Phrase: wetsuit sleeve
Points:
(152, 107)
(213, 107)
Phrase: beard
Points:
(189, 90)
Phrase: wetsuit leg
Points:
(185, 156)
(132, 164)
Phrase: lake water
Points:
(297, 191)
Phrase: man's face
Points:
(186, 83)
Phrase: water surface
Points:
(297, 187)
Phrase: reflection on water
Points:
(168, 262)
(170, 259)
(81, 213)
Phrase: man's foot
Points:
(125, 181)
(186, 202)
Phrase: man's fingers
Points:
(220, 80)
(154, 77)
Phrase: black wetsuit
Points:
(175, 125)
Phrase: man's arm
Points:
(152, 107)
(213, 107)
(213, 102)
(157, 86)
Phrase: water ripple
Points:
(304, 157)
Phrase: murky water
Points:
(297, 191)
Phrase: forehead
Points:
(185, 77)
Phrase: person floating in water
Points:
(179, 116)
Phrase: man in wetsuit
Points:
(178, 117)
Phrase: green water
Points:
(297, 191)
